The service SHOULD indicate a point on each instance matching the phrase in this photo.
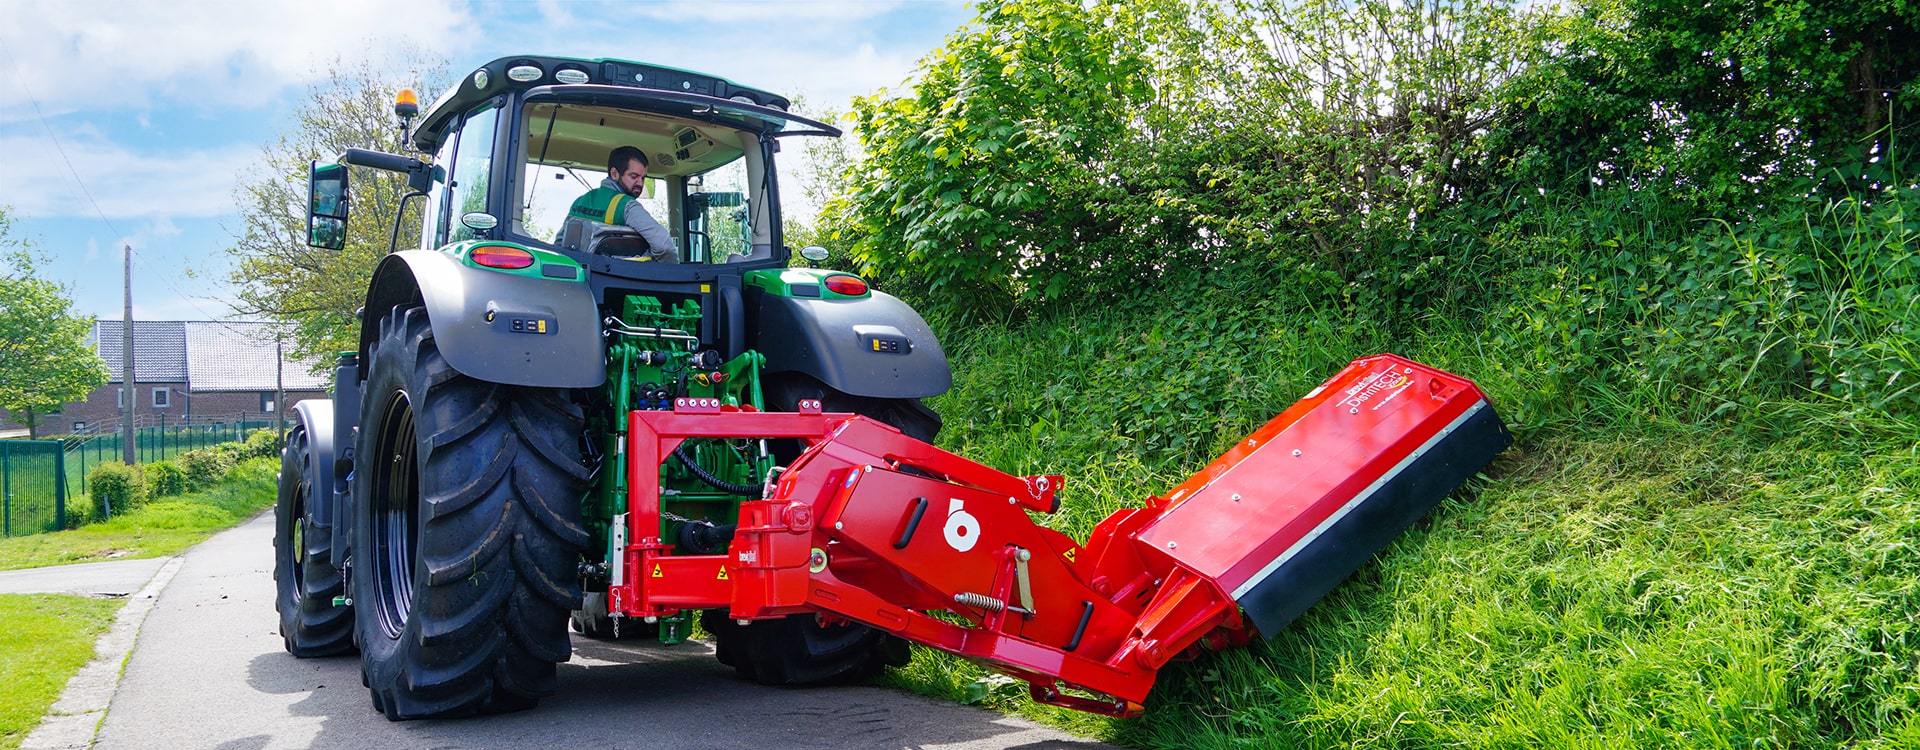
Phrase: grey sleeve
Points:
(659, 241)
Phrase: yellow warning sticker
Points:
(722, 576)
(1070, 554)
(657, 572)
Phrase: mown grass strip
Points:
(161, 527)
(44, 640)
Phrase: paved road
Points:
(209, 672)
(110, 579)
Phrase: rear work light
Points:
(852, 286)
(498, 256)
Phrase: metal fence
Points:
(39, 477)
(33, 478)
(150, 444)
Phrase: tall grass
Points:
(1702, 538)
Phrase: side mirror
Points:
(814, 253)
(327, 205)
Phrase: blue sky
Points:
(159, 107)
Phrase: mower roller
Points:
(874, 527)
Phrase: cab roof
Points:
(525, 72)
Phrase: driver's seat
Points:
(601, 239)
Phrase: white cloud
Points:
(88, 56)
(124, 183)
(162, 226)
(764, 11)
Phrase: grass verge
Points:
(161, 527)
(1630, 574)
(44, 640)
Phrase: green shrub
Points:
(79, 512)
(206, 466)
(255, 471)
(263, 443)
(164, 479)
(116, 488)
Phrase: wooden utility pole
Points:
(126, 362)
(279, 385)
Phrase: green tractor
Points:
(460, 499)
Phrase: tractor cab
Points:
(521, 139)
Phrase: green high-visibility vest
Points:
(602, 204)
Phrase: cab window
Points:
(471, 174)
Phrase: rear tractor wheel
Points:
(467, 532)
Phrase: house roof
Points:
(209, 356)
(159, 349)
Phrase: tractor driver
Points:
(613, 203)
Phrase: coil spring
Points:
(982, 601)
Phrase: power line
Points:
(44, 124)
(41, 115)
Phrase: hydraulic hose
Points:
(708, 477)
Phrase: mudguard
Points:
(875, 346)
(471, 311)
(317, 416)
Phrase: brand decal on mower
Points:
(1374, 385)
(963, 530)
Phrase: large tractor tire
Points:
(808, 649)
(467, 532)
(305, 578)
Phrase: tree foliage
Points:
(277, 275)
(1718, 102)
(987, 184)
(44, 357)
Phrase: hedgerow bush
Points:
(164, 479)
(261, 443)
(115, 488)
(205, 466)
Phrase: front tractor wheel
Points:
(467, 532)
(305, 579)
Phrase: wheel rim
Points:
(394, 511)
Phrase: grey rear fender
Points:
(874, 346)
(494, 326)
(317, 416)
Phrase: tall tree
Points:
(278, 276)
(44, 357)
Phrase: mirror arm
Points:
(419, 173)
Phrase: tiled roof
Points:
(239, 357)
(159, 349)
(208, 356)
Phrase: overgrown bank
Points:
(1702, 536)
(1676, 243)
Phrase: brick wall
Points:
(101, 410)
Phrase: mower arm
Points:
(875, 527)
